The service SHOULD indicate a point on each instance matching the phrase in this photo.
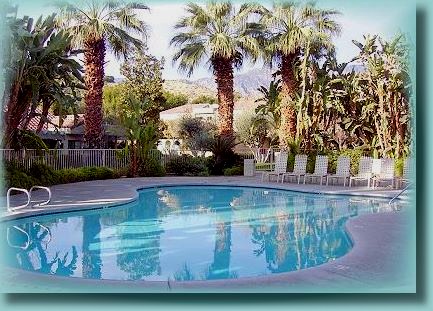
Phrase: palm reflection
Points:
(141, 259)
(311, 235)
(208, 233)
(35, 257)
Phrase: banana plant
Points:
(40, 68)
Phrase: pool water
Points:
(189, 233)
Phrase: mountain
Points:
(246, 84)
(189, 88)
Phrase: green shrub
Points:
(399, 165)
(121, 172)
(17, 176)
(354, 155)
(68, 175)
(72, 175)
(44, 174)
(223, 155)
(186, 165)
(19, 179)
(233, 171)
(311, 162)
(150, 167)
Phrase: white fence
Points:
(112, 158)
(68, 158)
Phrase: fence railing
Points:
(112, 158)
(68, 158)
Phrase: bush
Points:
(233, 171)
(223, 155)
(186, 165)
(354, 155)
(17, 176)
(19, 179)
(40, 174)
(150, 167)
(399, 166)
(44, 174)
(72, 175)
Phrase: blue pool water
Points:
(189, 233)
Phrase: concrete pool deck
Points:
(380, 261)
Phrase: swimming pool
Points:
(187, 233)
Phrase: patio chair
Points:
(386, 173)
(280, 166)
(343, 170)
(299, 169)
(407, 173)
(364, 171)
(320, 169)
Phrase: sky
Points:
(384, 17)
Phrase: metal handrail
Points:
(41, 187)
(17, 246)
(398, 194)
(8, 202)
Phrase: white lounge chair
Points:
(407, 173)
(343, 170)
(364, 171)
(280, 166)
(249, 167)
(320, 169)
(386, 174)
(299, 169)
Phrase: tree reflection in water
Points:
(34, 257)
(194, 234)
(91, 260)
(310, 235)
(208, 201)
(140, 257)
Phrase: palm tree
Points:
(271, 99)
(222, 36)
(96, 26)
(290, 31)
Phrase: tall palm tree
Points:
(96, 25)
(290, 30)
(221, 35)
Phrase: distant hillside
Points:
(189, 88)
(246, 84)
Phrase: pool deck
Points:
(380, 261)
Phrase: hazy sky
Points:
(385, 18)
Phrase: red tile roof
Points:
(69, 121)
(34, 122)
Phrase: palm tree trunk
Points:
(18, 104)
(223, 71)
(304, 85)
(94, 55)
(288, 109)
(43, 119)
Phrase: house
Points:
(207, 111)
(203, 111)
(68, 132)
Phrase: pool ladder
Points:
(29, 198)
(398, 194)
(27, 243)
